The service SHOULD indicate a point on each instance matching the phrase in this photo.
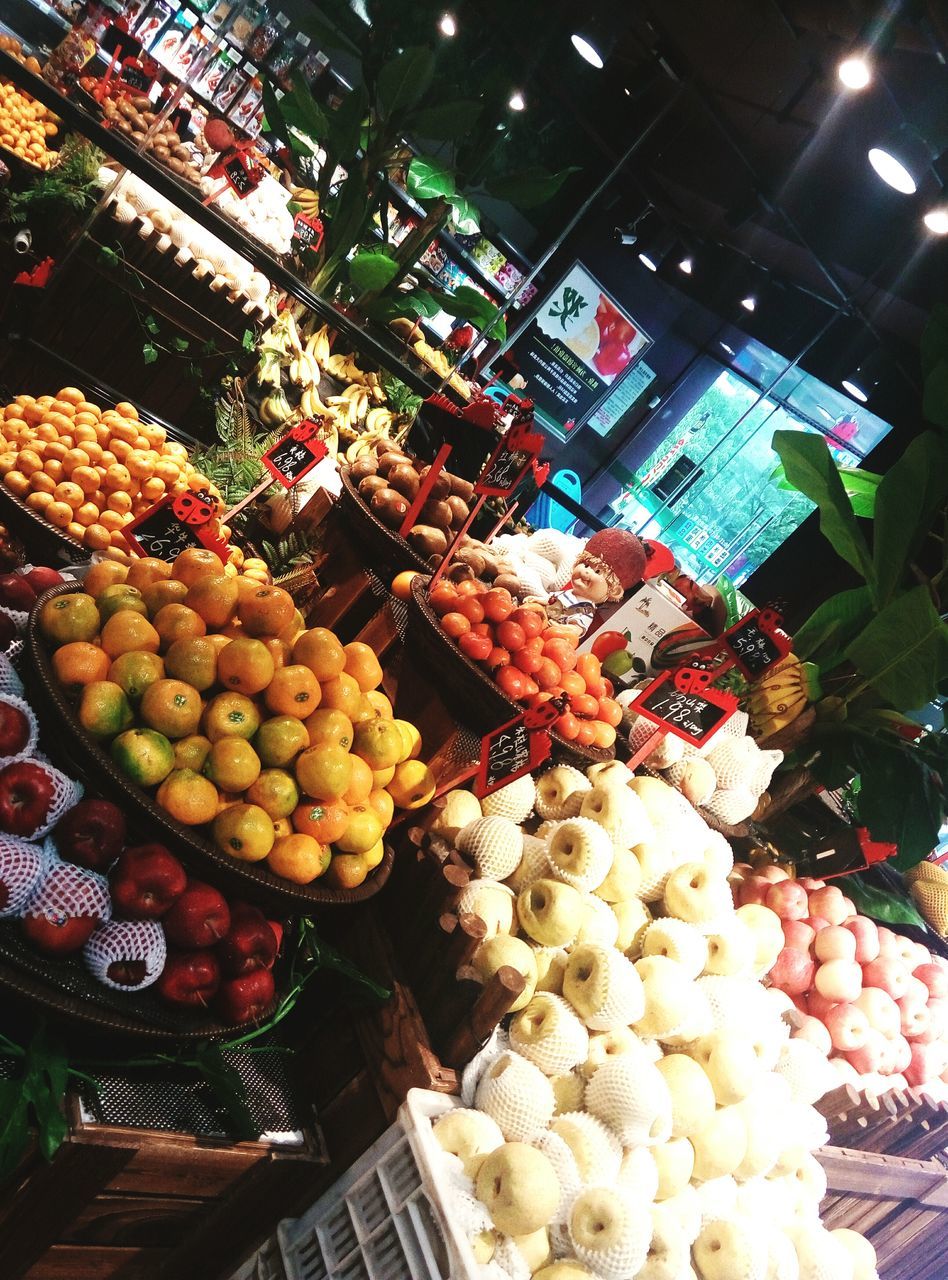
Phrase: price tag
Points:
(517, 747)
(308, 232)
(290, 458)
(136, 77)
(509, 463)
(757, 642)
(243, 176)
(684, 703)
(171, 526)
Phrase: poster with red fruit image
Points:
(575, 349)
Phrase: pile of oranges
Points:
(209, 689)
(91, 471)
(25, 124)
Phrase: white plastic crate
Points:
(384, 1219)
(266, 1263)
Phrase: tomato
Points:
(530, 687)
(559, 632)
(498, 604)
(572, 682)
(585, 733)
(471, 608)
(607, 642)
(469, 587)
(498, 657)
(511, 635)
(512, 682)
(531, 617)
(538, 699)
(548, 674)
(588, 666)
(608, 687)
(528, 660)
(455, 624)
(584, 705)
(443, 598)
(474, 646)
(562, 653)
(567, 726)
(610, 712)
(604, 735)
(483, 629)
(610, 359)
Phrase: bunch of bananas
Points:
(777, 698)
(307, 199)
(929, 888)
(376, 429)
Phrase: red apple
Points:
(246, 998)
(146, 882)
(839, 980)
(91, 833)
(753, 891)
(277, 928)
(835, 943)
(792, 971)
(900, 1053)
(928, 1062)
(867, 938)
(128, 954)
(250, 944)
(16, 592)
(816, 923)
(848, 1027)
(14, 729)
(41, 578)
(869, 1057)
(914, 1017)
(26, 797)
(770, 871)
(881, 1010)
(810, 884)
(7, 630)
(915, 990)
(889, 975)
(829, 904)
(787, 900)
(189, 978)
(815, 1031)
(850, 907)
(818, 1006)
(887, 943)
(797, 934)
(63, 912)
(198, 918)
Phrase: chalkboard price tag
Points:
(136, 76)
(241, 173)
(684, 703)
(171, 526)
(517, 747)
(756, 642)
(509, 463)
(290, 458)
(308, 232)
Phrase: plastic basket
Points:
(384, 1219)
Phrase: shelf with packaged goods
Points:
(375, 345)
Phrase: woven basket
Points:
(387, 553)
(85, 758)
(46, 543)
(467, 690)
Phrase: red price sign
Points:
(684, 703)
(509, 463)
(173, 525)
(297, 453)
(308, 232)
(757, 642)
(517, 747)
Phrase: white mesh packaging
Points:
(67, 891)
(734, 762)
(669, 1254)
(696, 894)
(127, 955)
(10, 682)
(569, 1092)
(693, 777)
(731, 949)
(729, 997)
(819, 1254)
(19, 618)
(669, 751)
(549, 1034)
(596, 1149)
(671, 998)
(603, 987)
(767, 762)
(638, 1173)
(811, 1127)
(22, 866)
(600, 925)
(604, 1045)
(580, 853)
(492, 902)
(695, 1022)
(551, 965)
(718, 854)
(679, 941)
(28, 747)
(65, 794)
(806, 1071)
(546, 828)
(685, 1210)
(550, 912)
(656, 860)
(510, 1260)
(495, 845)
(620, 812)
(560, 791)
(734, 727)
(629, 1095)
(514, 801)
(468, 1136)
(732, 806)
(782, 1260)
(560, 1155)
(533, 865)
(517, 1095)
(470, 1078)
(610, 1231)
(634, 918)
(742, 1242)
(717, 1198)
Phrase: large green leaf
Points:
(404, 81)
(467, 218)
(832, 625)
(446, 123)
(860, 487)
(902, 653)
(810, 468)
(910, 494)
(882, 904)
(371, 270)
(428, 179)
(349, 213)
(14, 1125)
(309, 20)
(345, 126)
(467, 304)
(899, 798)
(529, 187)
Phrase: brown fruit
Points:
(436, 513)
(427, 540)
(361, 468)
(371, 485)
(460, 488)
(394, 458)
(459, 510)
(442, 486)
(389, 506)
(404, 478)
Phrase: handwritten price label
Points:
(171, 526)
(297, 453)
(756, 642)
(514, 456)
(683, 702)
(517, 747)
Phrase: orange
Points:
(69, 617)
(364, 711)
(279, 740)
(231, 714)
(360, 784)
(324, 820)
(275, 791)
(347, 870)
(363, 665)
(104, 709)
(157, 594)
(282, 827)
(232, 764)
(324, 772)
(57, 513)
(292, 630)
(192, 659)
(326, 725)
(120, 596)
(299, 858)
(293, 691)
(191, 752)
(146, 570)
(245, 665)
(266, 611)
(172, 707)
(319, 650)
(87, 478)
(135, 671)
(177, 622)
(119, 501)
(38, 501)
(343, 694)
(380, 703)
(144, 756)
(195, 563)
(214, 598)
(382, 803)
(372, 857)
(401, 584)
(363, 830)
(245, 831)
(279, 651)
(87, 514)
(412, 785)
(78, 664)
(127, 630)
(189, 798)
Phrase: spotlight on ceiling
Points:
(901, 159)
(593, 41)
(686, 264)
(517, 101)
(855, 72)
(656, 249)
(448, 25)
(861, 383)
(749, 301)
(936, 220)
(626, 235)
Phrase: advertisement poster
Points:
(578, 345)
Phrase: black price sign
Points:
(290, 458)
(516, 748)
(136, 77)
(161, 533)
(242, 174)
(756, 642)
(509, 462)
(682, 702)
(117, 41)
(308, 232)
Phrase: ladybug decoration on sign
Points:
(296, 454)
(173, 525)
(517, 747)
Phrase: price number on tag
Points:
(683, 702)
(514, 749)
(757, 642)
(296, 454)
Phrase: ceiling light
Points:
(448, 26)
(861, 383)
(725, 347)
(656, 249)
(854, 389)
(749, 302)
(593, 41)
(936, 220)
(855, 72)
(687, 264)
(626, 235)
(517, 102)
(587, 50)
(901, 159)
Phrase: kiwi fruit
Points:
(404, 478)
(427, 541)
(390, 506)
(369, 485)
(361, 468)
(460, 488)
(459, 510)
(511, 582)
(468, 556)
(392, 459)
(436, 513)
(442, 486)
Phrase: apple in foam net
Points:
(889, 974)
(835, 943)
(848, 1027)
(866, 934)
(815, 1032)
(829, 904)
(839, 980)
(798, 934)
(787, 900)
(793, 971)
(14, 729)
(26, 797)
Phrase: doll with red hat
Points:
(612, 562)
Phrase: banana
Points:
(275, 409)
(778, 697)
(377, 420)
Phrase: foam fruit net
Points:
(21, 867)
(548, 1033)
(67, 891)
(517, 1095)
(14, 700)
(128, 940)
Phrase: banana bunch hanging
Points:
(778, 697)
(307, 199)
